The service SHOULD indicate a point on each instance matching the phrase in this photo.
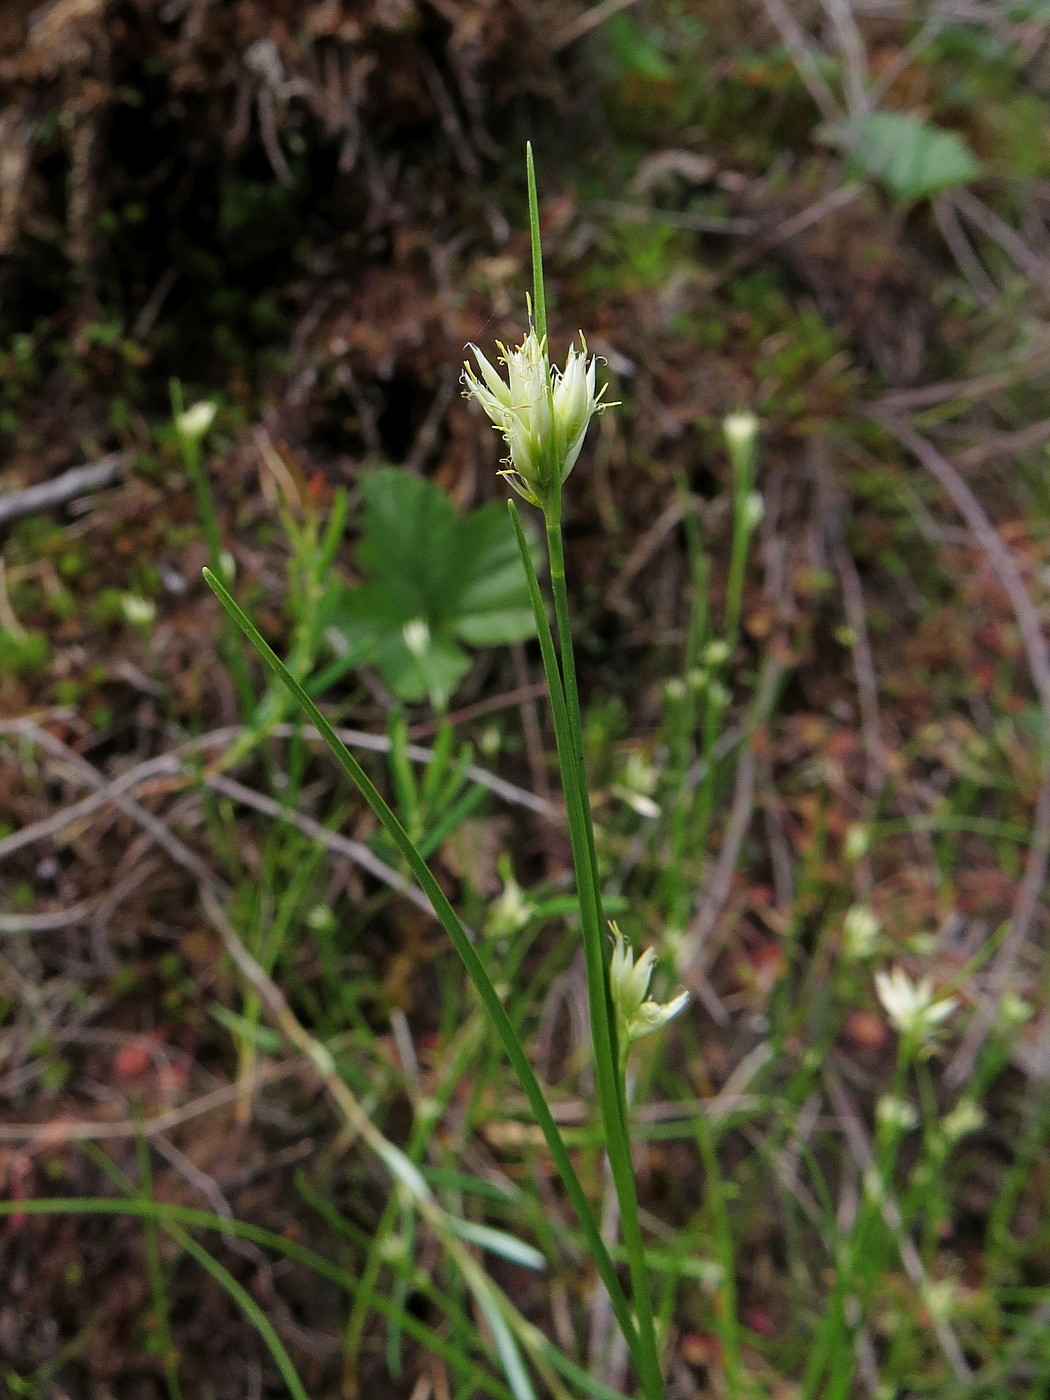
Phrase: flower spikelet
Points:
(912, 1008)
(543, 412)
(629, 978)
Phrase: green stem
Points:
(611, 1091)
(448, 919)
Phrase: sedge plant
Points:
(543, 413)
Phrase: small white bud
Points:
(892, 1112)
(965, 1118)
(857, 842)
(754, 510)
(639, 802)
(140, 612)
(873, 1186)
(740, 429)
(718, 694)
(512, 910)
(860, 930)
(417, 637)
(321, 919)
(636, 1014)
(1013, 1011)
(196, 420)
(939, 1295)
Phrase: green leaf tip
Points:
(539, 303)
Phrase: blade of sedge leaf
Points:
(449, 920)
(539, 303)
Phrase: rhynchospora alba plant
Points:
(543, 413)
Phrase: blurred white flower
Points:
(140, 612)
(940, 1296)
(741, 434)
(892, 1112)
(195, 421)
(1013, 1011)
(911, 1006)
(965, 1118)
(857, 842)
(640, 777)
(754, 510)
(740, 429)
(417, 637)
(860, 932)
(512, 910)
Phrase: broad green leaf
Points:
(911, 158)
(493, 605)
(462, 577)
(409, 545)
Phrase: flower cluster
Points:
(636, 1014)
(542, 412)
(912, 1007)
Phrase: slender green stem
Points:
(155, 1272)
(448, 919)
(568, 732)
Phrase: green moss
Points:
(23, 654)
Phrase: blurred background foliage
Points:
(835, 213)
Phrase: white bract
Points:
(542, 412)
(911, 1006)
(636, 1014)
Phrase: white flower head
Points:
(911, 1006)
(195, 421)
(629, 978)
(542, 412)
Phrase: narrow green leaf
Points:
(476, 970)
(499, 1242)
(911, 158)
